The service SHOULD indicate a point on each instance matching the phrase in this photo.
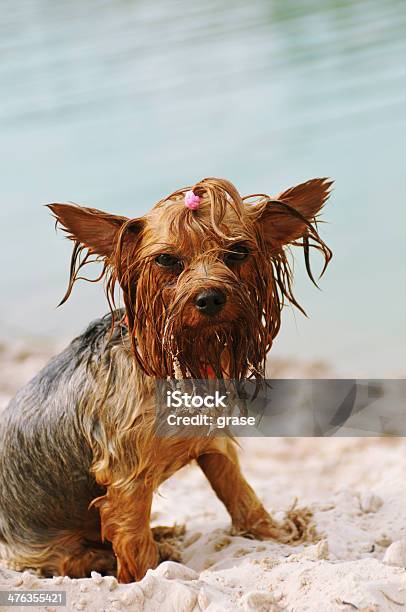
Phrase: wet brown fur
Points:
(169, 337)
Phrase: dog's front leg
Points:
(248, 515)
(125, 521)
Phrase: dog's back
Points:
(42, 444)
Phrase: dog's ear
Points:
(93, 228)
(284, 219)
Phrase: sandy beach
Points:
(112, 107)
(355, 488)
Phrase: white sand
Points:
(356, 488)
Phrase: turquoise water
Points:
(113, 104)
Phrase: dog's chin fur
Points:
(229, 350)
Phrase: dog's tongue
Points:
(210, 372)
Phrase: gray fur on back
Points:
(45, 459)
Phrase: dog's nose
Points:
(210, 302)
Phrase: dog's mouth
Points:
(217, 348)
(217, 330)
(207, 325)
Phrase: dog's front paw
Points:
(134, 558)
(169, 540)
(296, 527)
(169, 552)
(265, 529)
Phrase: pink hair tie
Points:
(192, 200)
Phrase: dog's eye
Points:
(236, 253)
(168, 261)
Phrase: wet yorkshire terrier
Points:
(203, 276)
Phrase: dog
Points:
(203, 277)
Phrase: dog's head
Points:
(203, 285)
